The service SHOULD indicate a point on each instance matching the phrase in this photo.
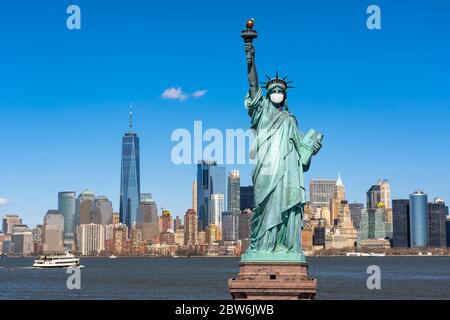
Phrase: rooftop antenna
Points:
(131, 116)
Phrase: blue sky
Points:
(380, 97)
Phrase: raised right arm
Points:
(251, 69)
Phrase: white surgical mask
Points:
(276, 97)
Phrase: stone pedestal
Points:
(273, 281)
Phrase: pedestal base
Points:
(273, 281)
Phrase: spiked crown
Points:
(277, 82)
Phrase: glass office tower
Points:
(400, 217)
(130, 177)
(437, 215)
(247, 198)
(210, 180)
(66, 206)
(418, 219)
(234, 192)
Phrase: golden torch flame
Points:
(250, 23)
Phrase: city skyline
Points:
(98, 231)
(94, 210)
(66, 100)
(226, 172)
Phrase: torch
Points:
(248, 35)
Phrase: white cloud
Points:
(199, 93)
(174, 94)
(3, 202)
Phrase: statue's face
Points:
(276, 95)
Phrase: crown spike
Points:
(279, 81)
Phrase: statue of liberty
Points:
(282, 154)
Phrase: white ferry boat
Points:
(113, 257)
(378, 254)
(361, 254)
(357, 254)
(57, 261)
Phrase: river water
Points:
(206, 278)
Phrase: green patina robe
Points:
(282, 156)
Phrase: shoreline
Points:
(228, 256)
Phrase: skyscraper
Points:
(23, 241)
(101, 211)
(374, 225)
(210, 180)
(247, 198)
(319, 235)
(194, 194)
(212, 234)
(230, 231)
(343, 234)
(339, 190)
(335, 202)
(437, 214)
(6, 241)
(400, 217)
(355, 213)
(176, 223)
(9, 221)
(83, 207)
(385, 193)
(245, 224)
(91, 239)
(130, 183)
(321, 191)
(447, 231)
(216, 210)
(66, 206)
(234, 206)
(373, 196)
(190, 228)
(418, 219)
(53, 231)
(147, 219)
(167, 221)
(234, 192)
(38, 233)
(120, 240)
